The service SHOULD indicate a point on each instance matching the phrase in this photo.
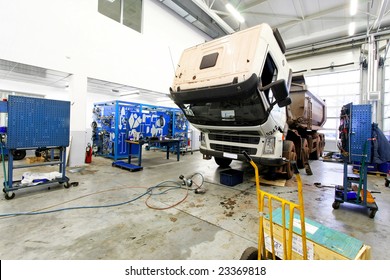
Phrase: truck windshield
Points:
(228, 112)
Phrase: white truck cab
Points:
(234, 89)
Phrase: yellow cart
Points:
(267, 243)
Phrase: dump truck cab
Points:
(234, 90)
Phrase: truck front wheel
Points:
(223, 162)
(290, 154)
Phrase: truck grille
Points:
(235, 138)
(233, 149)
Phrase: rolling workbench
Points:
(168, 143)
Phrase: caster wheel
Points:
(250, 253)
(372, 213)
(67, 185)
(4, 190)
(8, 196)
(387, 183)
(336, 205)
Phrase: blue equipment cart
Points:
(355, 146)
(34, 123)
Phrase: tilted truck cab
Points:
(234, 89)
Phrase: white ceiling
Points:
(20, 72)
(300, 22)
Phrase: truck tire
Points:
(290, 154)
(223, 162)
(304, 154)
(317, 153)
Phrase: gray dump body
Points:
(306, 110)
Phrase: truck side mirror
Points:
(284, 102)
(280, 92)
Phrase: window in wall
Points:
(337, 89)
(126, 12)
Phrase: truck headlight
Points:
(202, 139)
(269, 146)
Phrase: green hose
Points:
(361, 175)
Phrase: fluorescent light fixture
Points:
(351, 28)
(129, 92)
(235, 13)
(353, 7)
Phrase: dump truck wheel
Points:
(304, 154)
(223, 162)
(318, 152)
(290, 154)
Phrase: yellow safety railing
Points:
(287, 230)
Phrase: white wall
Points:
(71, 36)
(324, 60)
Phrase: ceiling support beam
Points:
(312, 16)
(379, 16)
(220, 22)
(243, 8)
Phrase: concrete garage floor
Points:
(219, 224)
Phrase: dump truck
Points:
(239, 92)
(306, 115)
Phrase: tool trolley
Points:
(355, 146)
(30, 124)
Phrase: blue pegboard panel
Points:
(360, 132)
(37, 122)
(3, 106)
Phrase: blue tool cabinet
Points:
(117, 121)
(34, 123)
